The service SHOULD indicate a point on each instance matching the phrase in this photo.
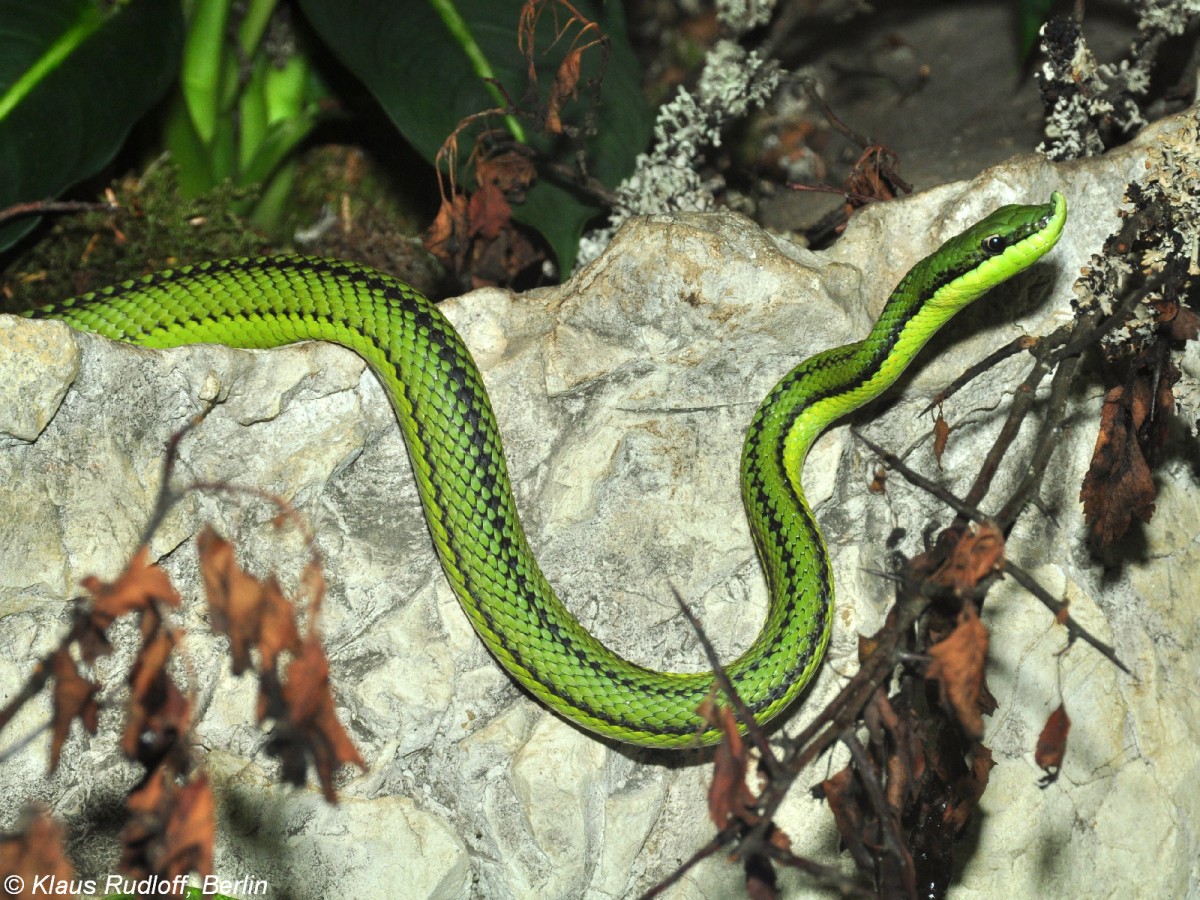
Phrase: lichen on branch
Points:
(668, 178)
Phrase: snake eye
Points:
(992, 244)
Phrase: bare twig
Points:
(1012, 348)
(43, 207)
(753, 730)
(1035, 470)
(892, 461)
(720, 841)
(1059, 608)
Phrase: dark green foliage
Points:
(74, 77)
(426, 75)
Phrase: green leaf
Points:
(254, 25)
(461, 32)
(423, 61)
(278, 141)
(56, 33)
(1031, 15)
(74, 77)
(204, 65)
(252, 112)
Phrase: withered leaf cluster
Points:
(171, 827)
(475, 237)
(34, 850)
(1134, 423)
(299, 702)
(171, 812)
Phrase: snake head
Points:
(995, 248)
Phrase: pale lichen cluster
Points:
(1171, 186)
(1090, 107)
(1158, 245)
(1089, 104)
(742, 15)
(668, 178)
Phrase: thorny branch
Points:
(1075, 631)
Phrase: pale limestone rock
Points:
(39, 366)
(623, 397)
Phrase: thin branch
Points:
(1069, 341)
(1059, 608)
(1012, 348)
(42, 207)
(166, 497)
(720, 841)
(892, 461)
(753, 730)
(1044, 444)
(826, 876)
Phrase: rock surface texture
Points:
(623, 397)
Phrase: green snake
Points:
(454, 445)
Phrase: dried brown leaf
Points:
(502, 178)
(566, 87)
(531, 11)
(502, 260)
(476, 237)
(730, 799)
(879, 482)
(903, 761)
(987, 703)
(171, 827)
(234, 598)
(74, 698)
(159, 714)
(190, 831)
(277, 626)
(509, 172)
(1185, 326)
(1182, 324)
(968, 789)
(844, 796)
(867, 645)
(1118, 486)
(308, 726)
(1052, 744)
(957, 663)
(941, 436)
(34, 851)
(489, 212)
(252, 613)
(449, 237)
(977, 555)
(139, 587)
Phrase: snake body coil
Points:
(456, 454)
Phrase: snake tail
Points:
(458, 461)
